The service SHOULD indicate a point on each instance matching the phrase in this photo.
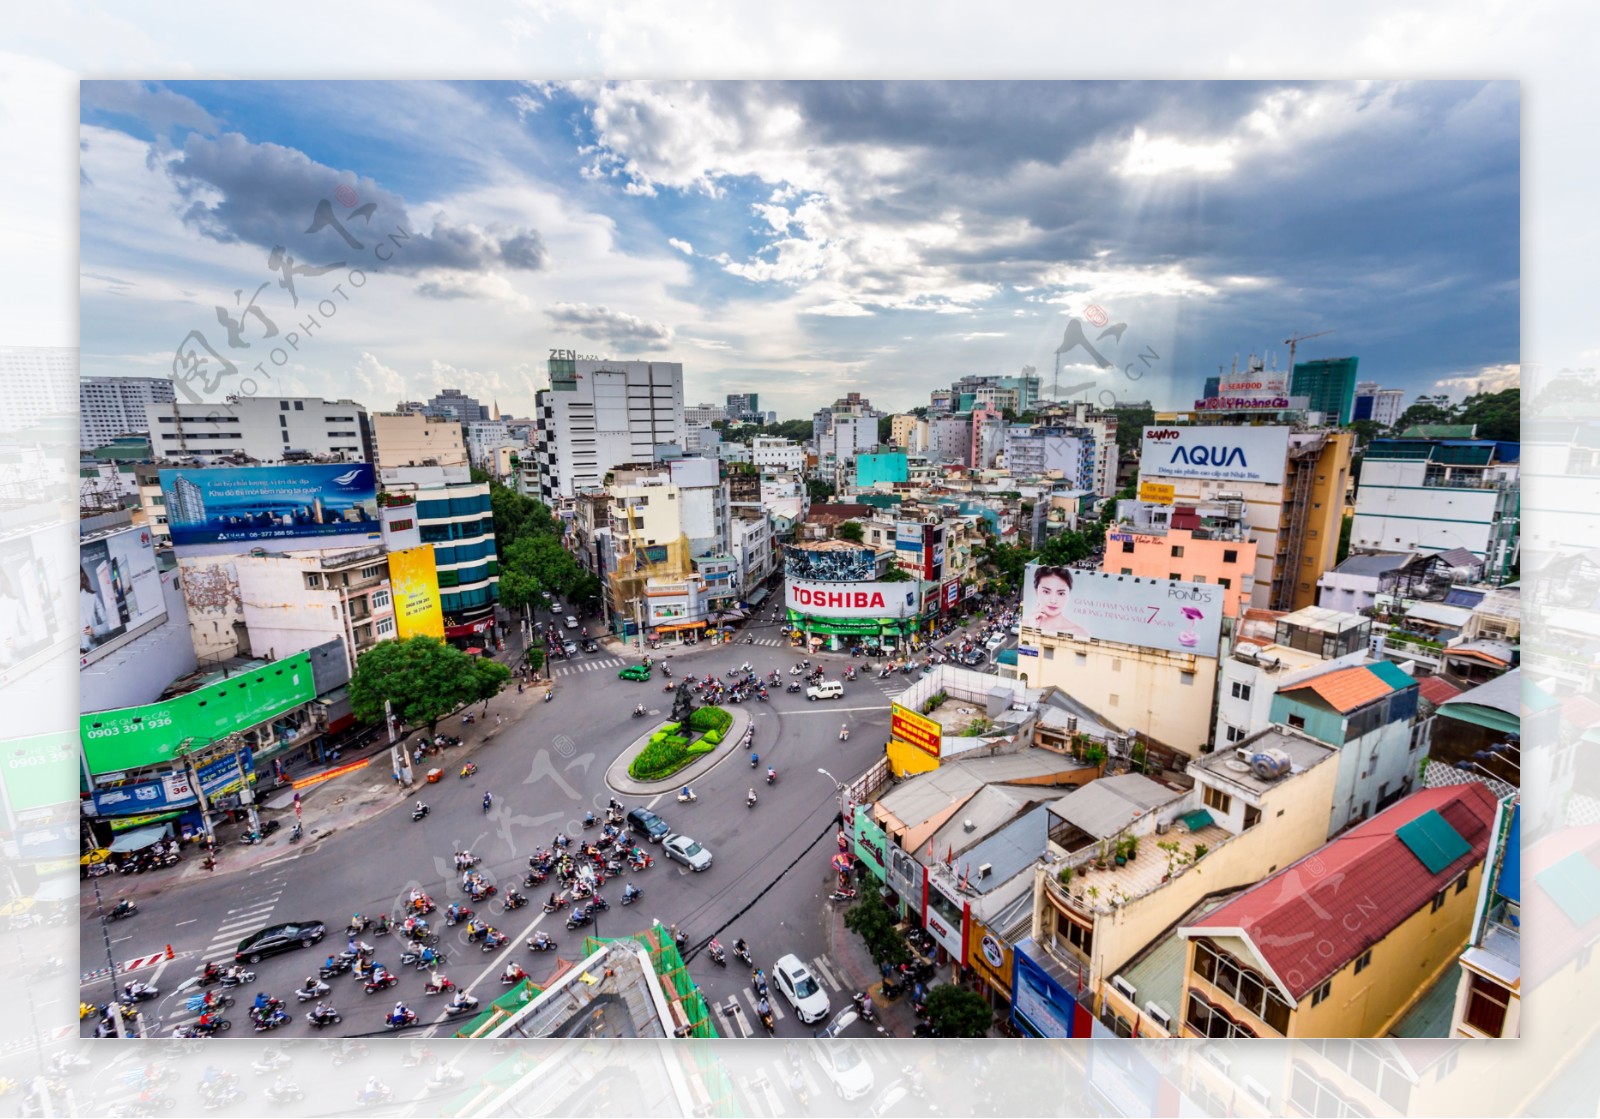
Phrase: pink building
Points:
(1192, 554)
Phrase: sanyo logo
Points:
(1163, 434)
(1209, 456)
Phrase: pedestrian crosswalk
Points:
(587, 666)
(739, 1018)
(250, 914)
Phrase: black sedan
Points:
(279, 938)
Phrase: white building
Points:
(294, 602)
(1435, 495)
(772, 453)
(415, 439)
(706, 414)
(950, 440)
(1272, 654)
(268, 429)
(38, 382)
(597, 414)
(113, 406)
(484, 438)
(1382, 406)
(750, 541)
(700, 438)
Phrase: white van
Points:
(828, 689)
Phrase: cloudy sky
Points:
(797, 239)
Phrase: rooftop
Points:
(1008, 851)
(1103, 808)
(1358, 888)
(1323, 620)
(1304, 753)
(931, 797)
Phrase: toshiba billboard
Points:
(853, 600)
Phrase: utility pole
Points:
(184, 752)
(111, 963)
(397, 752)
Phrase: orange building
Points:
(1191, 553)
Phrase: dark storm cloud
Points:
(604, 324)
(158, 108)
(269, 195)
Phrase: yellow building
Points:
(412, 439)
(1232, 829)
(1166, 696)
(1343, 942)
(1313, 511)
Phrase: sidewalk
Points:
(849, 954)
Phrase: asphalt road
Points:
(545, 771)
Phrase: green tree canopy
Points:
(886, 429)
(517, 515)
(535, 563)
(1131, 422)
(423, 678)
(819, 490)
(870, 920)
(957, 1012)
(895, 575)
(1497, 414)
(850, 530)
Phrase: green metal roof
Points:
(1433, 841)
(1007, 656)
(1574, 885)
(1393, 675)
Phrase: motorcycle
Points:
(513, 900)
(468, 770)
(687, 797)
(221, 1098)
(560, 903)
(716, 952)
(541, 942)
(316, 990)
(467, 1003)
(549, 695)
(407, 1018)
(535, 878)
(339, 966)
(629, 896)
(766, 1020)
(456, 915)
(793, 688)
(639, 712)
(494, 940)
(744, 957)
(438, 986)
(271, 1061)
(514, 973)
(139, 992)
(250, 838)
(289, 1093)
(578, 920)
(842, 895)
(381, 983)
(419, 813)
(443, 1077)
(122, 909)
(772, 776)
(357, 926)
(589, 820)
(863, 1006)
(750, 801)
(758, 983)
(296, 834)
(237, 977)
(329, 1017)
(270, 1020)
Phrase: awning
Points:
(756, 596)
(680, 625)
(1197, 819)
(140, 839)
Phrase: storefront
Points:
(1041, 1005)
(679, 633)
(850, 616)
(869, 843)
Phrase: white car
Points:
(1016, 629)
(801, 988)
(845, 1065)
(828, 689)
(686, 851)
(995, 642)
(572, 623)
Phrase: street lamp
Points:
(842, 789)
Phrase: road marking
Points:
(652, 803)
(120, 939)
(822, 969)
(809, 710)
(190, 921)
(275, 863)
(754, 1000)
(734, 1019)
(497, 966)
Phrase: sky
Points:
(384, 240)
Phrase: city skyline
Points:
(800, 240)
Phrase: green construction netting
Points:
(501, 1008)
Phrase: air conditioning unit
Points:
(1242, 754)
(1124, 988)
(1158, 1016)
(1220, 1059)
(1258, 1090)
(985, 869)
(1163, 827)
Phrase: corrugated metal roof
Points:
(1436, 690)
(1392, 674)
(1437, 613)
(1104, 807)
(1345, 689)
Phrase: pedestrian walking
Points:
(519, 687)
(498, 718)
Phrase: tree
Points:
(517, 515)
(535, 564)
(957, 1012)
(896, 575)
(1497, 414)
(819, 490)
(870, 920)
(1131, 422)
(851, 531)
(491, 677)
(479, 475)
(533, 658)
(1427, 410)
(886, 429)
(1366, 431)
(422, 677)
(1344, 541)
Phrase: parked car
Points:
(278, 938)
(647, 825)
(635, 672)
(828, 689)
(686, 851)
(801, 988)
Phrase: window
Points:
(1438, 901)
(385, 627)
(1225, 584)
(1216, 798)
(283, 421)
(1244, 985)
(313, 580)
(380, 600)
(371, 572)
(1082, 658)
(1486, 1006)
(283, 405)
(1199, 579)
(1322, 992)
(1232, 733)
(1186, 678)
(1230, 555)
(1252, 816)
(1127, 571)
(1241, 690)
(299, 405)
(1174, 576)
(1363, 960)
(1177, 551)
(1070, 932)
(285, 434)
(1298, 722)
(1127, 545)
(1461, 883)
(1116, 664)
(1114, 701)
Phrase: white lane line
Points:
(120, 939)
(253, 906)
(190, 921)
(812, 710)
(652, 803)
(242, 923)
(822, 969)
(754, 1000)
(497, 966)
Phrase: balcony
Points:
(1091, 891)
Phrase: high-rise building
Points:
(1213, 387)
(444, 507)
(112, 406)
(1329, 384)
(1379, 405)
(744, 406)
(597, 414)
(416, 439)
(457, 405)
(38, 382)
(705, 414)
(268, 429)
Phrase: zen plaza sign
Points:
(853, 600)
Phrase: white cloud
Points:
(983, 334)
(839, 308)
(1488, 379)
(616, 327)
(683, 247)
(1165, 155)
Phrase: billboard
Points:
(834, 563)
(1154, 613)
(1232, 454)
(414, 578)
(119, 592)
(233, 509)
(853, 600)
(218, 777)
(130, 737)
(32, 614)
(909, 727)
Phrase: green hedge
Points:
(702, 746)
(714, 737)
(660, 759)
(709, 719)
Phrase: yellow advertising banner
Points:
(414, 578)
(1161, 493)
(907, 726)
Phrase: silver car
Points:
(687, 851)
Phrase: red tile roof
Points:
(1580, 711)
(1347, 688)
(1316, 915)
(1436, 689)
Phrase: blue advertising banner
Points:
(1039, 1005)
(219, 509)
(172, 790)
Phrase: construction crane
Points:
(1294, 339)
